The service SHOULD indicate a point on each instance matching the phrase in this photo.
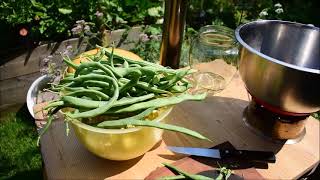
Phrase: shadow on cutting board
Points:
(220, 119)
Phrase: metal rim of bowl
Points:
(238, 37)
(34, 87)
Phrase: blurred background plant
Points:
(53, 20)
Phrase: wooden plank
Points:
(14, 90)
(218, 117)
(17, 66)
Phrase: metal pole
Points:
(173, 31)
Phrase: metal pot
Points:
(279, 64)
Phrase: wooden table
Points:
(219, 118)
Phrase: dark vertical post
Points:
(173, 31)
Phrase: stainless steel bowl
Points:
(280, 65)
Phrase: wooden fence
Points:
(17, 75)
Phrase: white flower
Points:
(80, 22)
(159, 21)
(144, 37)
(278, 5)
(76, 30)
(86, 28)
(155, 37)
(46, 60)
(99, 14)
(263, 13)
(279, 10)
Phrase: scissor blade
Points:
(212, 153)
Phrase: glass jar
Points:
(214, 54)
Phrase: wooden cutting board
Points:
(208, 167)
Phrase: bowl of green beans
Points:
(118, 106)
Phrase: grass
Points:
(20, 157)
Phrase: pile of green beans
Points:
(111, 85)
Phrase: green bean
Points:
(142, 63)
(139, 116)
(49, 122)
(69, 75)
(175, 79)
(54, 104)
(187, 175)
(133, 122)
(88, 92)
(134, 65)
(93, 65)
(70, 63)
(46, 127)
(103, 108)
(125, 64)
(84, 103)
(110, 57)
(155, 79)
(178, 89)
(145, 86)
(135, 76)
(160, 102)
(96, 83)
(95, 88)
(114, 70)
(172, 177)
(72, 89)
(99, 55)
(87, 77)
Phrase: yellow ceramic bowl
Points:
(120, 144)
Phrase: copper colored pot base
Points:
(278, 128)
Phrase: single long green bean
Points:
(54, 104)
(172, 177)
(96, 83)
(132, 122)
(187, 175)
(160, 102)
(85, 103)
(89, 93)
(145, 86)
(139, 116)
(46, 127)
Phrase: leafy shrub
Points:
(54, 19)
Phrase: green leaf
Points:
(38, 5)
(154, 11)
(65, 10)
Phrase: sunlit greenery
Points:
(19, 155)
